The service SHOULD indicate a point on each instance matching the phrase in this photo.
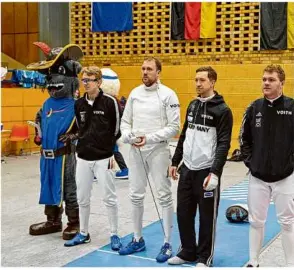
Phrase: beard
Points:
(148, 82)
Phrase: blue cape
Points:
(57, 119)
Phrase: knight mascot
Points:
(55, 124)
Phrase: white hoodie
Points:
(151, 111)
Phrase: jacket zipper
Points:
(271, 141)
(195, 130)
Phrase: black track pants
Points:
(191, 195)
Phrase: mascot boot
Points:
(55, 134)
(73, 225)
(53, 223)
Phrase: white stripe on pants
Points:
(259, 196)
(85, 172)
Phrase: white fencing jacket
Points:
(151, 111)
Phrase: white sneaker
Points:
(176, 261)
(201, 265)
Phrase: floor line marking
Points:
(138, 257)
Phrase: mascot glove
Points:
(210, 182)
(67, 138)
(37, 140)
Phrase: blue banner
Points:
(111, 16)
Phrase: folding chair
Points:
(19, 133)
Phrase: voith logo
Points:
(207, 116)
(98, 112)
(284, 112)
(202, 129)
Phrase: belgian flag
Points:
(276, 25)
(193, 20)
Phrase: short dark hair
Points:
(156, 60)
(212, 75)
(278, 69)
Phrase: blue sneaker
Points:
(165, 253)
(77, 240)
(122, 174)
(115, 242)
(133, 247)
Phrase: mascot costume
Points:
(54, 132)
(111, 86)
(110, 82)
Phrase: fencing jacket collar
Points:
(153, 87)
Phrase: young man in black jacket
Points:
(267, 148)
(98, 118)
(203, 145)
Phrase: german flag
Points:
(193, 20)
(276, 25)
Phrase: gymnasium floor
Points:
(20, 209)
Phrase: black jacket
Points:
(99, 126)
(267, 138)
(206, 135)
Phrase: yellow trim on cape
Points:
(62, 181)
(74, 119)
(63, 167)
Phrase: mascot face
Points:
(110, 82)
(61, 79)
(61, 69)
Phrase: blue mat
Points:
(231, 245)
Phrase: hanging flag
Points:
(193, 20)
(111, 16)
(177, 21)
(273, 25)
(290, 25)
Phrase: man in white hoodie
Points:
(203, 147)
(150, 119)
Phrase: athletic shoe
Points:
(200, 264)
(133, 247)
(115, 242)
(165, 253)
(77, 240)
(122, 174)
(176, 261)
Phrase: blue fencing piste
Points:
(231, 244)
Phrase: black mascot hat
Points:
(61, 69)
(55, 56)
